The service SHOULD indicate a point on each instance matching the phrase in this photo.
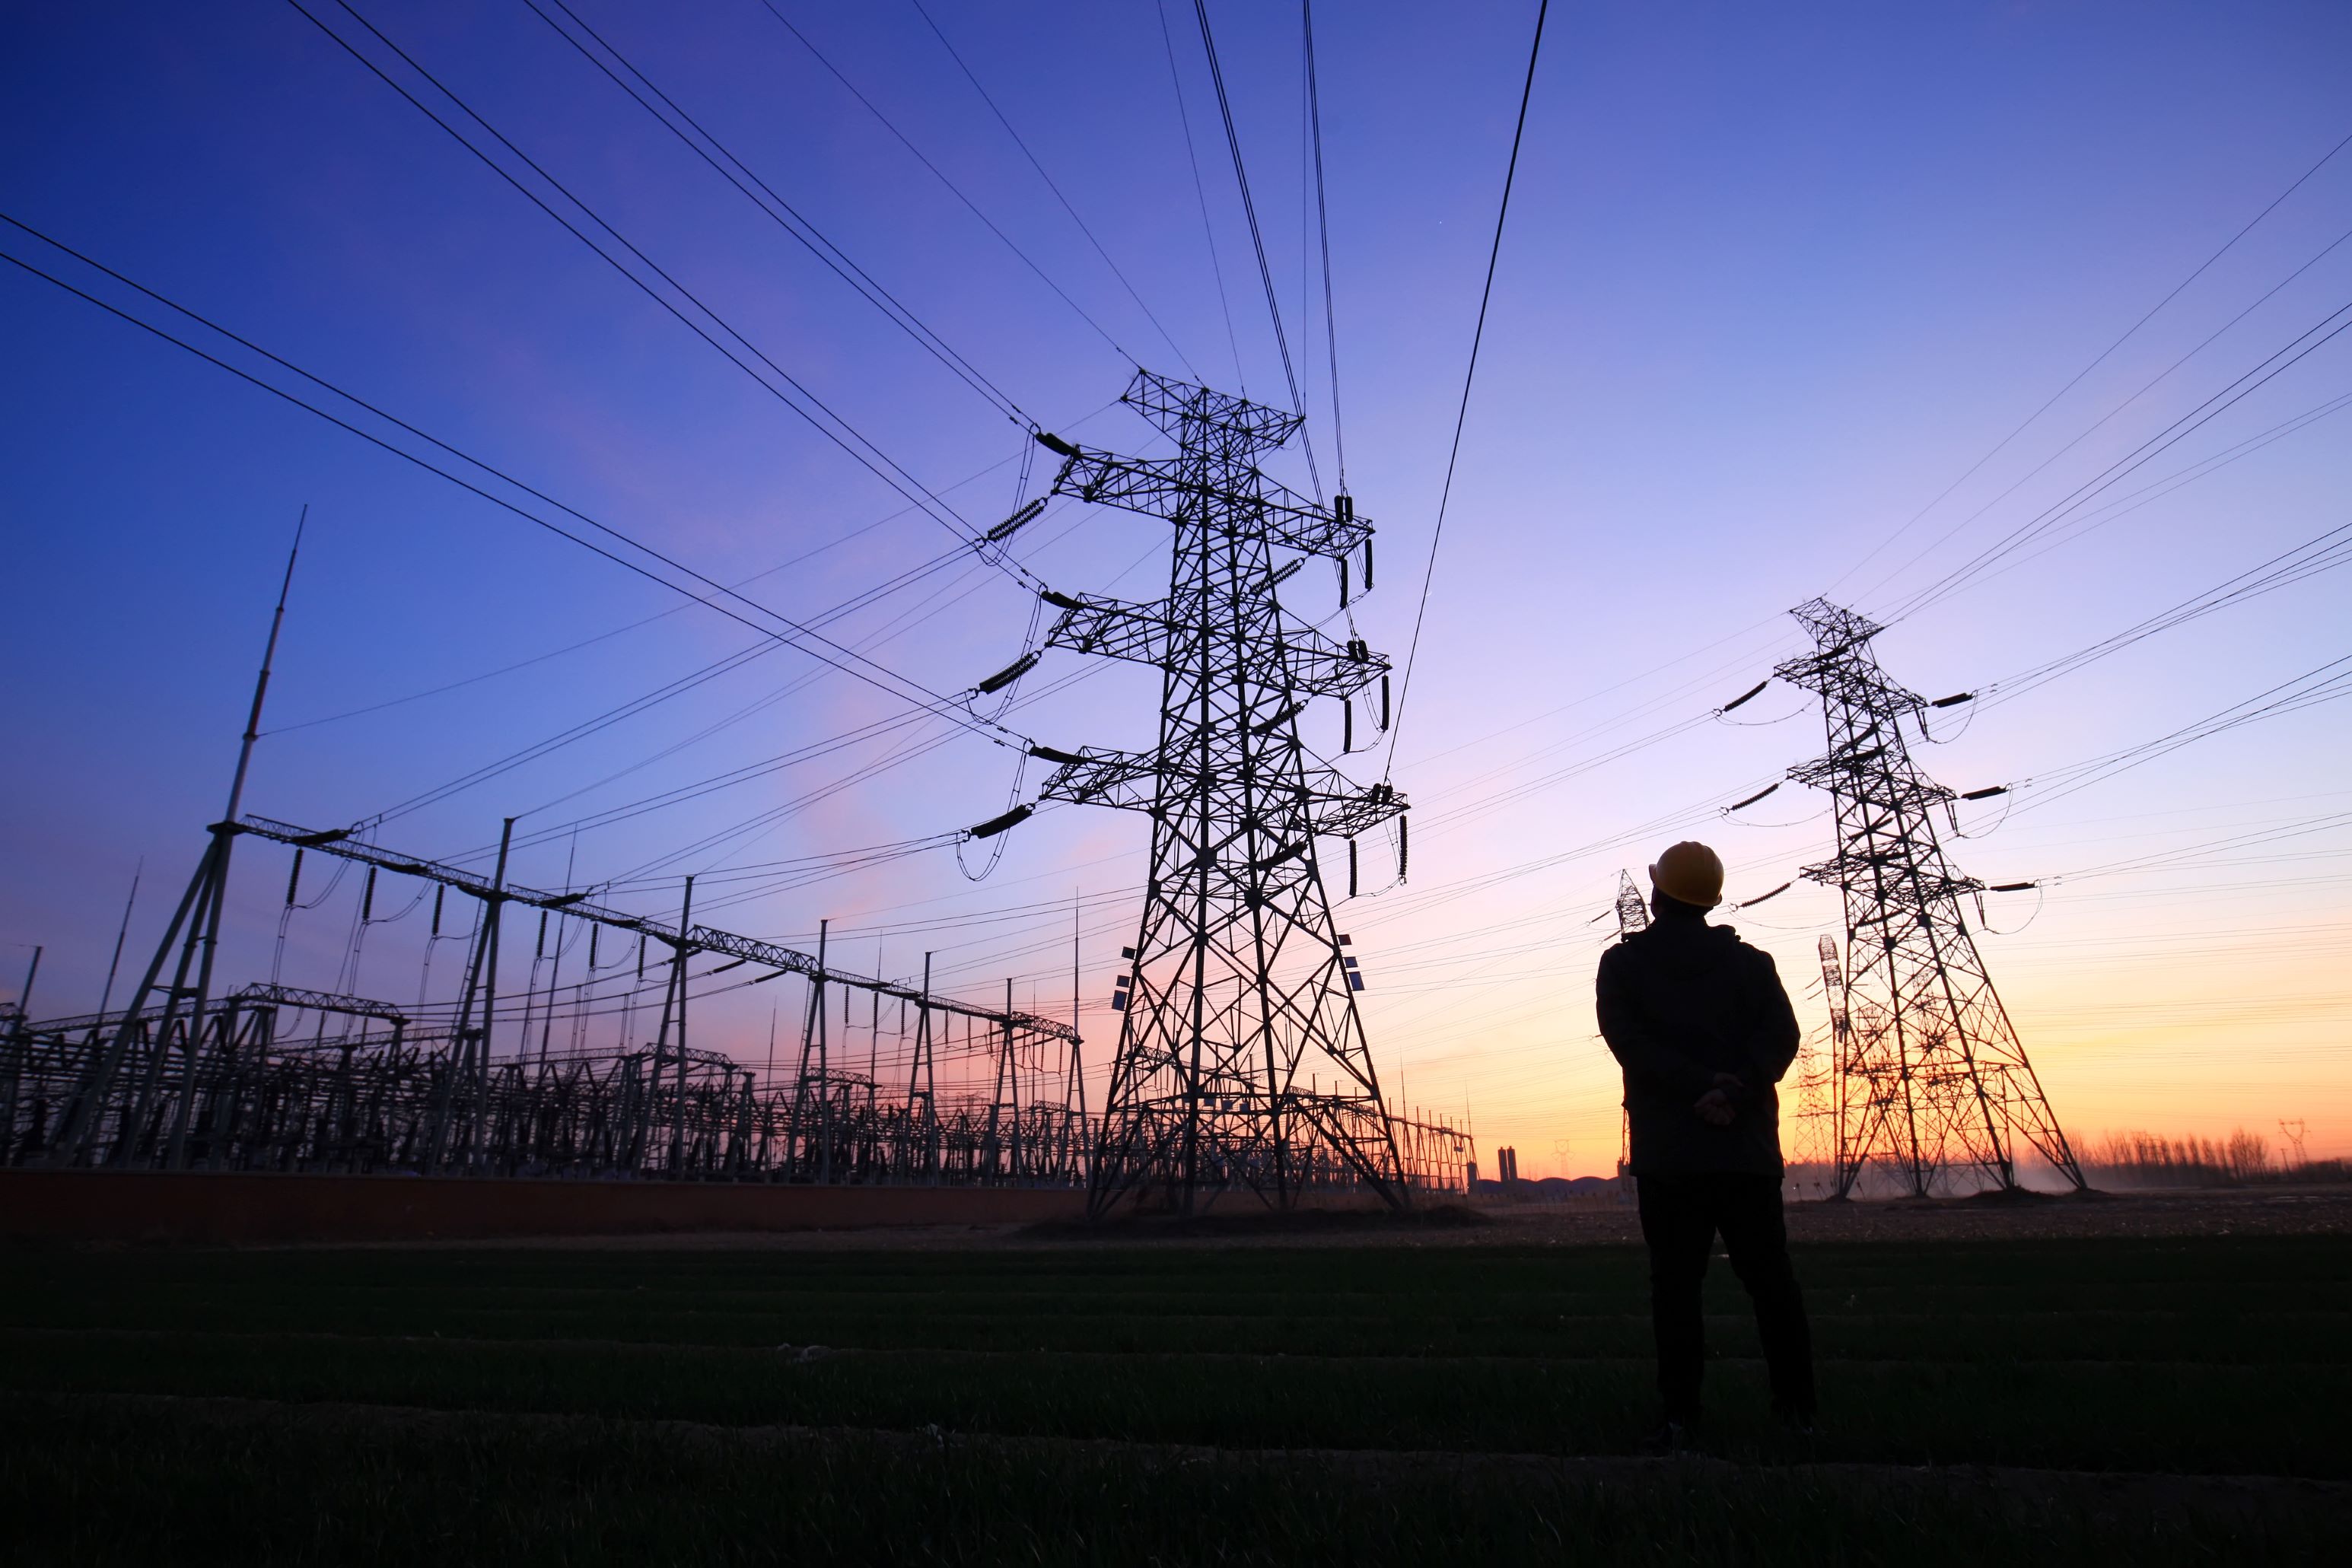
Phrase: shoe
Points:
(1669, 1438)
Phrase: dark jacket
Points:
(1680, 1002)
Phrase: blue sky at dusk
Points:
(1781, 288)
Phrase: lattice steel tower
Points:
(1932, 1076)
(1242, 1058)
(1812, 1130)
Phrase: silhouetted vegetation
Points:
(2151, 1159)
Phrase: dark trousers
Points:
(1681, 1216)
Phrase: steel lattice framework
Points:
(1931, 1075)
(1241, 1059)
(1812, 1132)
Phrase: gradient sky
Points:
(1775, 278)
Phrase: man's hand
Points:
(1715, 1108)
(1730, 1082)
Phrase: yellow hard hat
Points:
(1689, 872)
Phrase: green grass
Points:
(1121, 1405)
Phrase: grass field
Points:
(2182, 1400)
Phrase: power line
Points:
(1462, 414)
(814, 239)
(2094, 427)
(806, 639)
(2097, 360)
(1200, 195)
(846, 436)
(1056, 189)
(953, 189)
(2297, 350)
(1258, 237)
(2326, 683)
(2324, 553)
(1323, 229)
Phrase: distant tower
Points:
(1935, 1077)
(1633, 914)
(1242, 1058)
(1813, 1129)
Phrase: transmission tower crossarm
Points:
(1148, 635)
(1166, 487)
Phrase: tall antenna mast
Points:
(199, 915)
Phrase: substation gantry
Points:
(185, 1079)
(1930, 1075)
(1241, 1061)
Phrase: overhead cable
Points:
(1200, 195)
(1469, 375)
(1056, 189)
(1323, 230)
(1257, 236)
(817, 647)
(953, 189)
(2100, 359)
(831, 425)
(2306, 343)
(787, 218)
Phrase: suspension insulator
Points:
(1007, 675)
(1060, 601)
(1765, 897)
(2013, 886)
(1281, 855)
(1956, 697)
(1347, 725)
(1404, 844)
(593, 932)
(1351, 868)
(1053, 754)
(1760, 794)
(1282, 574)
(1288, 711)
(367, 898)
(997, 824)
(294, 879)
(539, 950)
(1384, 703)
(1016, 522)
(1746, 696)
(1056, 444)
(1343, 582)
(1986, 794)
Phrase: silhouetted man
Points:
(1703, 1028)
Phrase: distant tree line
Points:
(2151, 1159)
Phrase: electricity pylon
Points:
(1633, 914)
(1813, 1129)
(1934, 1077)
(1242, 1058)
